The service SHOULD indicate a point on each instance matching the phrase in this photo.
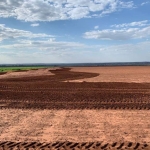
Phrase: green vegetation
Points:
(7, 69)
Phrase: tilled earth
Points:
(50, 92)
(56, 92)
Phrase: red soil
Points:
(51, 93)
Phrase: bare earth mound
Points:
(44, 109)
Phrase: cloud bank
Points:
(132, 24)
(11, 33)
(120, 34)
(51, 10)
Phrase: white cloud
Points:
(121, 34)
(22, 40)
(132, 24)
(50, 45)
(96, 27)
(10, 33)
(52, 39)
(78, 13)
(144, 3)
(52, 52)
(126, 52)
(44, 51)
(35, 24)
(142, 46)
(50, 10)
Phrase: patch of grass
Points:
(7, 69)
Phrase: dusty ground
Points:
(75, 125)
(34, 72)
(45, 109)
(136, 74)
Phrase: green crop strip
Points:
(7, 69)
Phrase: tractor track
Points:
(7, 145)
(49, 92)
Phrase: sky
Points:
(74, 31)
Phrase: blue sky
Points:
(74, 31)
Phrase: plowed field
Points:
(50, 92)
(121, 112)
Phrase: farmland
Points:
(8, 69)
(117, 102)
(51, 93)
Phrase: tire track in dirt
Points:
(49, 92)
(74, 146)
